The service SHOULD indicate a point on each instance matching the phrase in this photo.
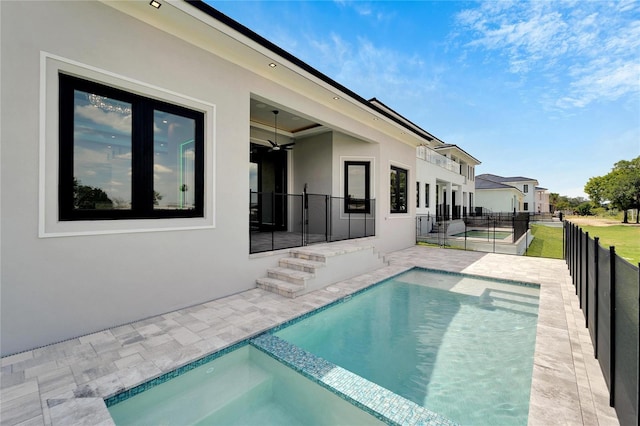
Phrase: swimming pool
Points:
(457, 345)
(483, 233)
(419, 344)
(242, 387)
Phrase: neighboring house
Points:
(141, 155)
(447, 190)
(508, 194)
(542, 200)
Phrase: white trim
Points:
(372, 182)
(48, 223)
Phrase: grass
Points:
(547, 242)
(626, 239)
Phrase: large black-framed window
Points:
(126, 156)
(357, 187)
(398, 190)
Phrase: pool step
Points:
(313, 267)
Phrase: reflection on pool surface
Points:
(457, 345)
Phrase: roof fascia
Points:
(288, 57)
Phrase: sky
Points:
(548, 90)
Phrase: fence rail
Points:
(607, 287)
(280, 221)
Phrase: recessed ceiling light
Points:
(155, 4)
(375, 119)
(336, 98)
(272, 65)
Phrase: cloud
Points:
(592, 48)
(371, 70)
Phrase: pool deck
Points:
(66, 383)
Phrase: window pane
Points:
(101, 152)
(174, 161)
(356, 181)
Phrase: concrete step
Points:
(313, 267)
(283, 288)
(300, 264)
(290, 275)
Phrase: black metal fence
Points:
(607, 287)
(280, 221)
(494, 228)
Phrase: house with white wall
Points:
(146, 148)
(508, 194)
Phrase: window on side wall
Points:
(125, 156)
(398, 190)
(357, 191)
(426, 195)
(526, 207)
(418, 194)
(525, 189)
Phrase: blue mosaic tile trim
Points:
(479, 277)
(122, 396)
(376, 400)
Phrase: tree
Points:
(89, 198)
(621, 187)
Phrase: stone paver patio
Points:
(66, 383)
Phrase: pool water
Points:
(457, 345)
(243, 387)
(481, 233)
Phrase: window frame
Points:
(367, 189)
(142, 180)
(417, 194)
(397, 208)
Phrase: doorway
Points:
(268, 185)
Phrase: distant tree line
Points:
(619, 189)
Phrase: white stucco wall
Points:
(63, 280)
(499, 200)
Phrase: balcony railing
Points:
(429, 155)
(280, 221)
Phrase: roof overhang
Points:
(205, 27)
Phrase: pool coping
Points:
(567, 385)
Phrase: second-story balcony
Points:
(429, 155)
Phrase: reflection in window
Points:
(126, 156)
(398, 190)
(357, 187)
(173, 161)
(101, 152)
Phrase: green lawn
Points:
(547, 241)
(626, 239)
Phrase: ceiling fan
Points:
(274, 143)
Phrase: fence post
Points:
(586, 279)
(612, 324)
(596, 290)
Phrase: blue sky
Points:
(546, 89)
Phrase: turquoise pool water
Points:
(457, 345)
(243, 387)
(487, 235)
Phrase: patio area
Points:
(66, 383)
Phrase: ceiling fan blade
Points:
(272, 143)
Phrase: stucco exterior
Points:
(65, 279)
